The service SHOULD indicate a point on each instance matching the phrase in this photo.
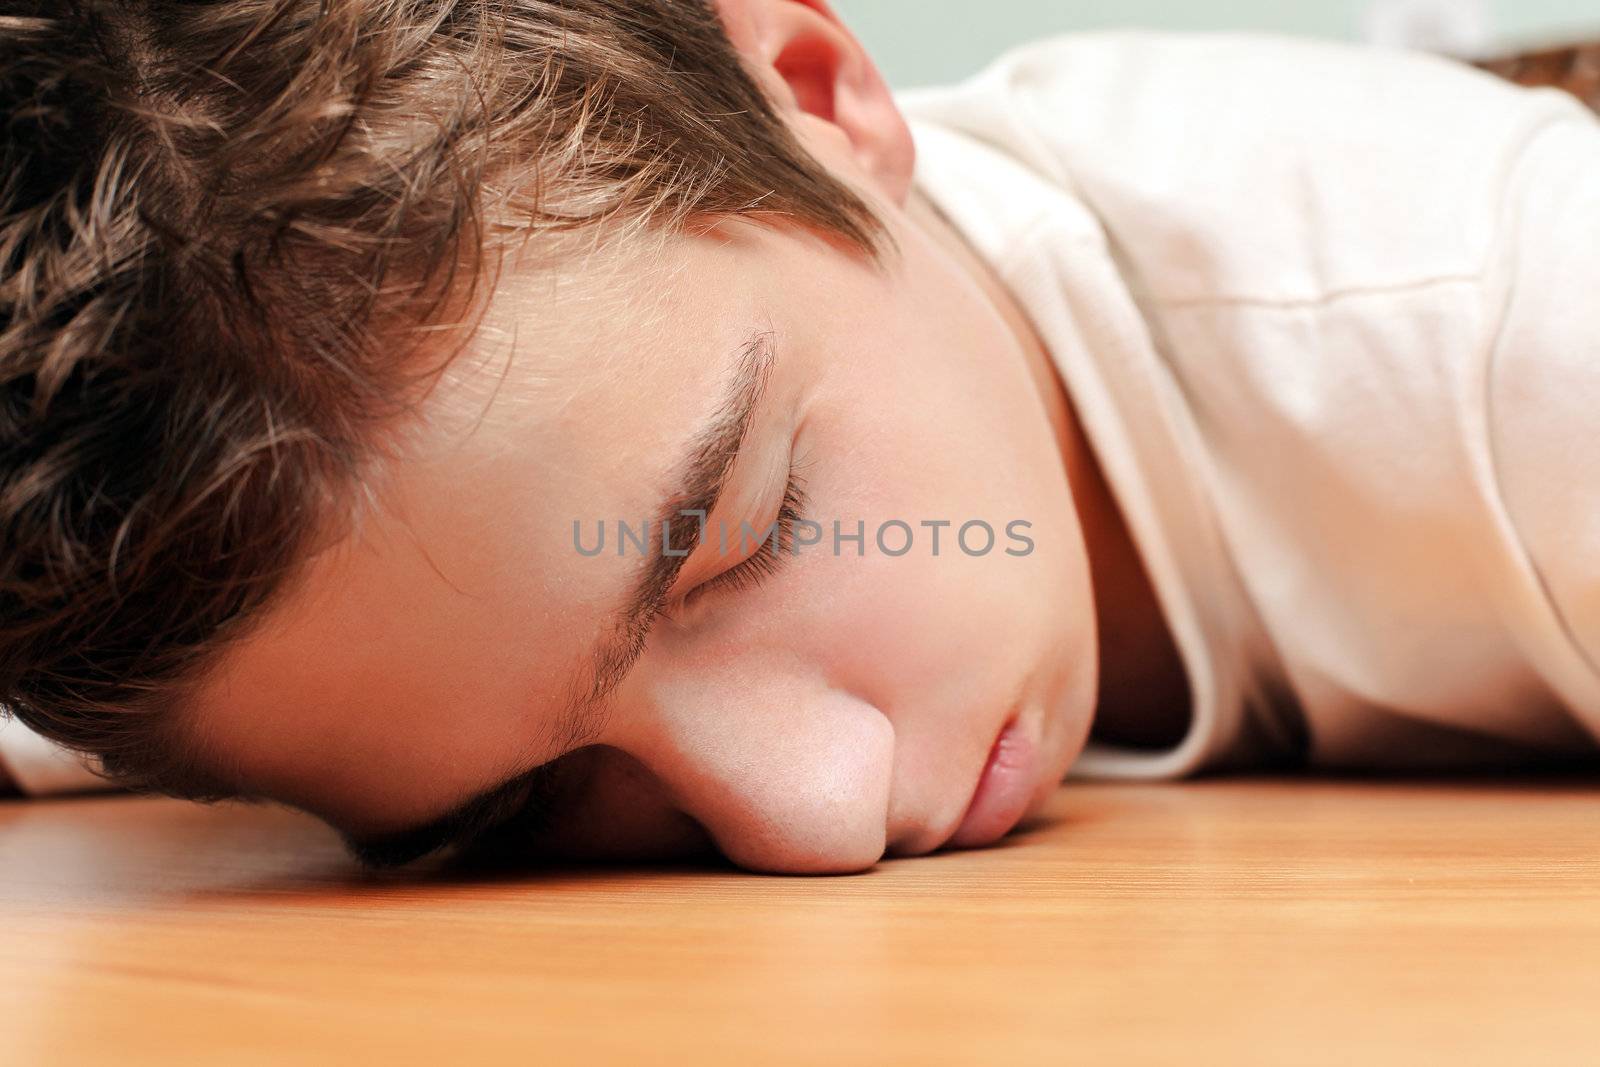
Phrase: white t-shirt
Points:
(1331, 318)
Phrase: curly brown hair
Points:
(222, 223)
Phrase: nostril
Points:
(789, 856)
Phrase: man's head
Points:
(334, 340)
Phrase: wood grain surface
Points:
(1230, 922)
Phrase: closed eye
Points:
(773, 545)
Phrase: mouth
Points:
(1003, 792)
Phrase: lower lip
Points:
(1004, 791)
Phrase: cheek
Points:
(953, 622)
(918, 441)
(969, 528)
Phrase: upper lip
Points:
(924, 837)
(944, 837)
(1011, 773)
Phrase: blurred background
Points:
(920, 42)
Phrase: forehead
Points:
(439, 640)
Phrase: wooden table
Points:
(1226, 922)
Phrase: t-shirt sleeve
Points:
(1542, 395)
(41, 768)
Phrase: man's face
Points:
(804, 709)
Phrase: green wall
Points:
(917, 42)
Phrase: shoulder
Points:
(1252, 167)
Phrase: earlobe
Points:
(817, 73)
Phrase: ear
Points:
(826, 86)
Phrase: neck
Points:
(1144, 698)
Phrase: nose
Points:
(786, 781)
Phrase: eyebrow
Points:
(700, 477)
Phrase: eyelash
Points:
(769, 555)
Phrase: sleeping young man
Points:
(624, 427)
